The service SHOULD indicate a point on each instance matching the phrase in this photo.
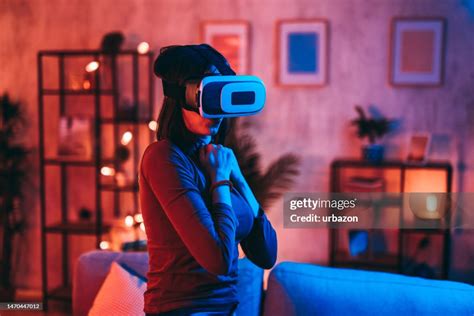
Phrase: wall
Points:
(311, 122)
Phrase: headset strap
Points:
(178, 92)
(212, 57)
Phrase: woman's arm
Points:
(260, 245)
(209, 235)
(242, 186)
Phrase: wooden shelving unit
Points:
(54, 71)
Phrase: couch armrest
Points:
(307, 289)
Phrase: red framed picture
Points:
(417, 51)
(231, 39)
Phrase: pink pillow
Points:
(120, 294)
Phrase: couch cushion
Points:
(120, 294)
(92, 268)
(307, 289)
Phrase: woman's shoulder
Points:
(162, 149)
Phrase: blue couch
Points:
(306, 289)
(301, 289)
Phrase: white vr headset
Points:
(216, 95)
(220, 96)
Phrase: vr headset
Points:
(216, 96)
(220, 96)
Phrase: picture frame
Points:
(419, 148)
(302, 52)
(232, 39)
(417, 49)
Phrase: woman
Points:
(196, 205)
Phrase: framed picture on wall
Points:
(302, 52)
(417, 51)
(231, 39)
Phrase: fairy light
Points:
(107, 171)
(138, 218)
(104, 245)
(129, 220)
(92, 66)
(143, 48)
(86, 85)
(153, 125)
(126, 138)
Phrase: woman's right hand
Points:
(217, 161)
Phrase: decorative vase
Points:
(373, 153)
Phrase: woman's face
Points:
(199, 125)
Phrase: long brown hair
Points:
(176, 64)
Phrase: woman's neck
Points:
(204, 139)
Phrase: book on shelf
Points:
(75, 138)
(364, 184)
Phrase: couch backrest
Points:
(92, 268)
(307, 289)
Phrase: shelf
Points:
(427, 231)
(61, 293)
(69, 161)
(387, 261)
(113, 187)
(125, 121)
(88, 52)
(77, 228)
(359, 163)
(90, 92)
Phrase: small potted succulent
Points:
(372, 129)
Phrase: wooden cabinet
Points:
(391, 250)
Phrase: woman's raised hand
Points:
(217, 160)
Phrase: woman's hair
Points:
(176, 64)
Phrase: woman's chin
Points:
(213, 130)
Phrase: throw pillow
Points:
(120, 294)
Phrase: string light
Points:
(86, 85)
(104, 245)
(92, 66)
(107, 171)
(143, 48)
(138, 218)
(126, 138)
(153, 125)
(129, 220)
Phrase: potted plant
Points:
(277, 178)
(372, 129)
(13, 171)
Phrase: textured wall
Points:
(311, 122)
